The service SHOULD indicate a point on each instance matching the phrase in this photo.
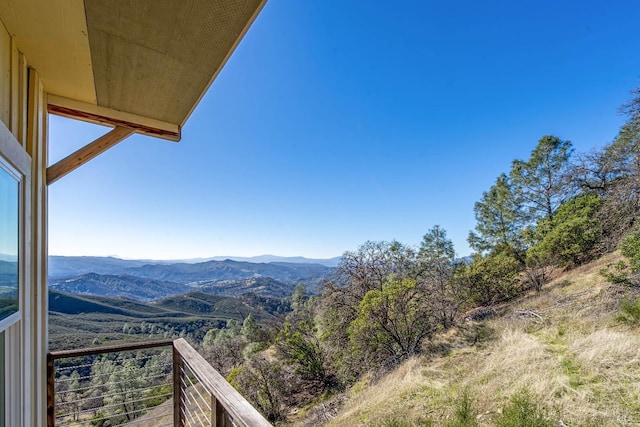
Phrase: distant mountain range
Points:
(328, 262)
(66, 266)
(144, 280)
(230, 270)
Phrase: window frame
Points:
(15, 160)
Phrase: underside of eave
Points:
(157, 59)
(139, 65)
(237, 41)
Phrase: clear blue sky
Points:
(337, 122)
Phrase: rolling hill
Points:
(231, 270)
(124, 286)
(81, 321)
(263, 286)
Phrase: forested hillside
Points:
(388, 303)
(77, 321)
(539, 327)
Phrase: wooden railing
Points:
(134, 384)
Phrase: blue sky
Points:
(337, 122)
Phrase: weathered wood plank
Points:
(106, 116)
(55, 355)
(23, 95)
(36, 304)
(13, 151)
(86, 153)
(241, 411)
(177, 388)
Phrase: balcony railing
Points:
(160, 383)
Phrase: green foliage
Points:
(491, 278)
(250, 328)
(264, 384)
(392, 321)
(569, 238)
(232, 376)
(299, 297)
(463, 415)
(523, 410)
(383, 303)
(630, 248)
(541, 180)
(436, 261)
(617, 273)
(252, 349)
(157, 395)
(300, 346)
(630, 312)
(500, 220)
(436, 248)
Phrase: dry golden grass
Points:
(578, 361)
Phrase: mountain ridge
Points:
(139, 280)
(66, 266)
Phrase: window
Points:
(9, 243)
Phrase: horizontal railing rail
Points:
(151, 384)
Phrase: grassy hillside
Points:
(563, 348)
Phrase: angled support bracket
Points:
(86, 153)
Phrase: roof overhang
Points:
(142, 65)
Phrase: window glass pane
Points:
(2, 411)
(9, 210)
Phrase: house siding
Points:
(23, 114)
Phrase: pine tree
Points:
(542, 180)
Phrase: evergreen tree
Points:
(436, 257)
(500, 220)
(250, 328)
(541, 180)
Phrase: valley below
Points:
(97, 301)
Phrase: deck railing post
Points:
(177, 393)
(212, 416)
(221, 415)
(51, 400)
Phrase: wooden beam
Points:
(92, 351)
(229, 400)
(86, 153)
(106, 116)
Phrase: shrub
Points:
(618, 273)
(570, 238)
(630, 311)
(522, 410)
(464, 415)
(630, 247)
(491, 278)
